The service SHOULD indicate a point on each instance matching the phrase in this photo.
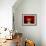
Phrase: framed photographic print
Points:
(29, 19)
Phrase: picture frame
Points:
(29, 19)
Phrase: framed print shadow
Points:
(29, 19)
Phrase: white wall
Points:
(43, 22)
(6, 13)
(28, 7)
